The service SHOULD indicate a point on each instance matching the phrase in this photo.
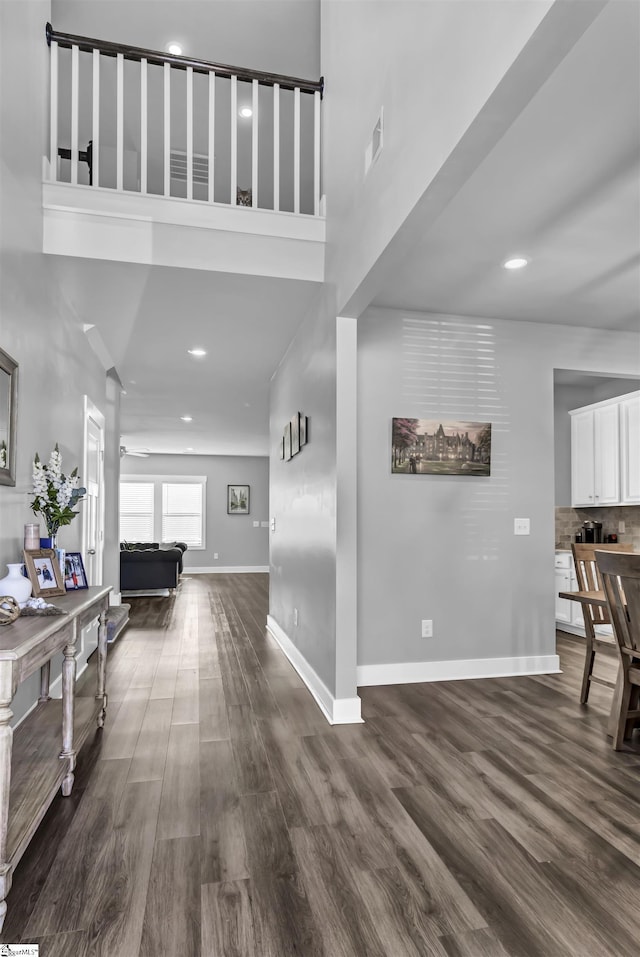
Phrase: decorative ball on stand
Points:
(9, 609)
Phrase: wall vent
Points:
(178, 167)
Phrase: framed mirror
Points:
(8, 418)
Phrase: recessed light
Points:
(246, 111)
(189, 448)
(197, 352)
(174, 49)
(186, 418)
(516, 263)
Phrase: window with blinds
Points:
(163, 508)
(182, 513)
(136, 511)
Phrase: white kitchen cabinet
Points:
(567, 612)
(630, 449)
(605, 454)
(563, 605)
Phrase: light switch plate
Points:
(522, 526)
(256, 524)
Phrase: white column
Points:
(74, 114)
(234, 140)
(143, 125)
(316, 153)
(212, 136)
(296, 150)
(53, 132)
(167, 129)
(120, 122)
(95, 121)
(276, 146)
(254, 143)
(189, 132)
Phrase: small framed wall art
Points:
(295, 434)
(287, 441)
(237, 499)
(303, 428)
(43, 570)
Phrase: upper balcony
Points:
(166, 160)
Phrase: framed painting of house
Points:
(433, 447)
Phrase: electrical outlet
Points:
(215, 554)
(622, 527)
(256, 524)
(427, 628)
(295, 617)
(521, 526)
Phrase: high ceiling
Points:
(561, 187)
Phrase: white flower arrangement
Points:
(55, 494)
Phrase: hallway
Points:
(218, 814)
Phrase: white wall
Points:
(406, 57)
(303, 496)
(234, 538)
(56, 365)
(423, 62)
(443, 548)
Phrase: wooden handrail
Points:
(108, 48)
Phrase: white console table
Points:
(41, 756)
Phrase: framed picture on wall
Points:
(287, 441)
(237, 499)
(440, 447)
(303, 428)
(295, 434)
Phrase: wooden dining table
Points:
(599, 598)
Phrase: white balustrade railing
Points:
(130, 119)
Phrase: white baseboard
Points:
(225, 569)
(335, 710)
(418, 671)
(146, 592)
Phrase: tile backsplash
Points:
(570, 520)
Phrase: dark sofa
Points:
(145, 566)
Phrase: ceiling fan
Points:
(139, 453)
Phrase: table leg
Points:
(101, 693)
(68, 708)
(6, 743)
(45, 678)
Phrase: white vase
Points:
(15, 584)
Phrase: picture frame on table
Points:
(238, 499)
(75, 576)
(43, 571)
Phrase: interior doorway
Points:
(93, 524)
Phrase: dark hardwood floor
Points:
(218, 814)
